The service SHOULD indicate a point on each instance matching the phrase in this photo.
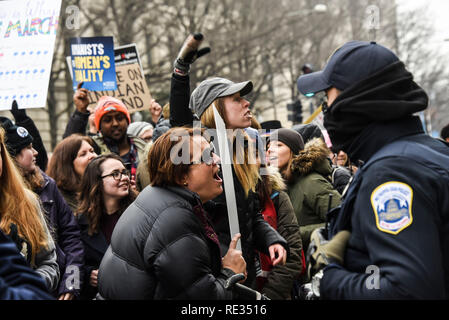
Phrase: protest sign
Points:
(127, 54)
(132, 89)
(93, 63)
(27, 38)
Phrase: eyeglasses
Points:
(117, 175)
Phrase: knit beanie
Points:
(138, 127)
(16, 138)
(289, 137)
(107, 104)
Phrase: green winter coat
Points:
(309, 188)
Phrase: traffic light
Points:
(295, 114)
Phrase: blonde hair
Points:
(248, 171)
(19, 205)
(166, 111)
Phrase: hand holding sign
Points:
(80, 98)
(233, 259)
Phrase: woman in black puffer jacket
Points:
(164, 246)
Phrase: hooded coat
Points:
(311, 193)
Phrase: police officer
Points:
(396, 210)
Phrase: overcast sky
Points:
(438, 12)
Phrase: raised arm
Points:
(180, 113)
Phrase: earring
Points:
(185, 183)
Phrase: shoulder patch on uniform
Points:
(392, 206)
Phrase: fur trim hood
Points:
(312, 158)
(275, 179)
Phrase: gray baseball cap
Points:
(211, 89)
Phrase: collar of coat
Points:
(192, 197)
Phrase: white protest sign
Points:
(228, 180)
(27, 38)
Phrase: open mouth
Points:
(217, 177)
(248, 115)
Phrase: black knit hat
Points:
(16, 138)
(271, 125)
(290, 137)
(308, 131)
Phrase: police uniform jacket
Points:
(397, 209)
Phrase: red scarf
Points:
(270, 216)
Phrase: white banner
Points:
(27, 38)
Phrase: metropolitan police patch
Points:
(392, 205)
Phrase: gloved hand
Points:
(311, 290)
(18, 114)
(189, 53)
(22, 244)
(322, 252)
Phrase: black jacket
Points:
(256, 233)
(397, 211)
(340, 178)
(66, 234)
(160, 249)
(95, 246)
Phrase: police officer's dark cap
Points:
(349, 64)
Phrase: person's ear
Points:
(182, 181)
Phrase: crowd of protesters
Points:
(113, 215)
